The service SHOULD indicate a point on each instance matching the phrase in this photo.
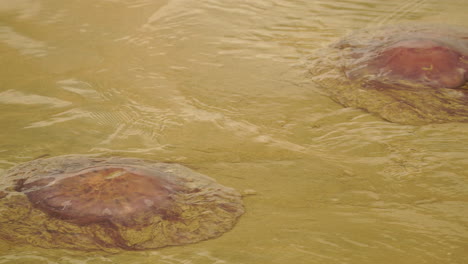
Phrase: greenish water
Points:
(222, 87)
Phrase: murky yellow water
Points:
(220, 86)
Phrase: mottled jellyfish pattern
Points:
(409, 74)
(79, 202)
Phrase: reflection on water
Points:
(221, 87)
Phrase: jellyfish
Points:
(409, 74)
(87, 203)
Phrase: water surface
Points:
(222, 87)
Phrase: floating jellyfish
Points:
(413, 74)
(78, 202)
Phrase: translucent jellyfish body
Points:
(88, 203)
(410, 74)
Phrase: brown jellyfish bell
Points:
(78, 202)
(409, 74)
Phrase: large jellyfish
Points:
(79, 202)
(410, 74)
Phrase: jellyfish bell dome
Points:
(118, 195)
(419, 60)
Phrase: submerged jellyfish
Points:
(87, 203)
(407, 74)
